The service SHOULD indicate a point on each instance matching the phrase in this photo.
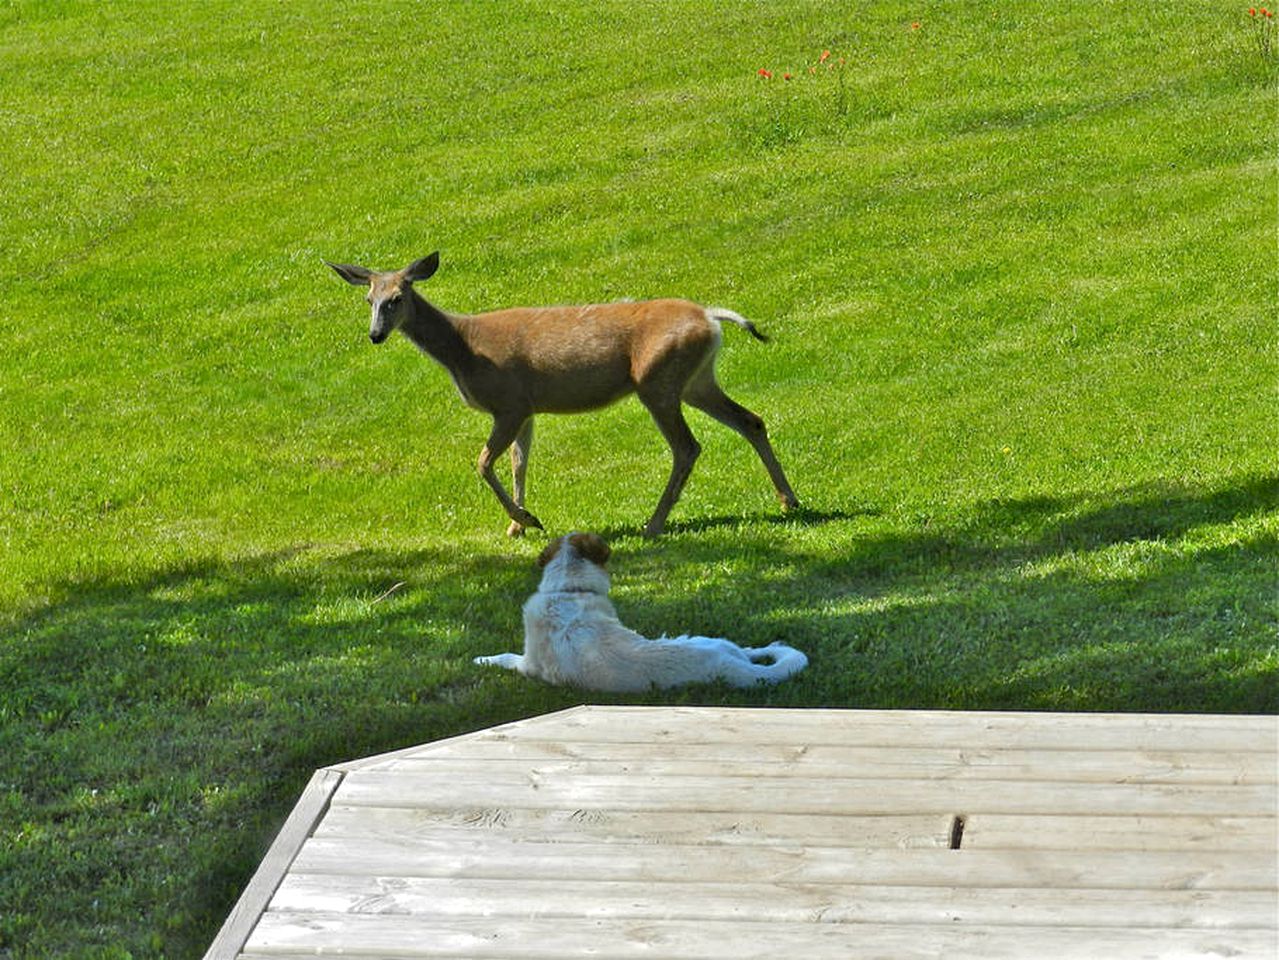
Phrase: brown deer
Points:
(515, 363)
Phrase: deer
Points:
(521, 361)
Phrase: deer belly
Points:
(586, 390)
(576, 381)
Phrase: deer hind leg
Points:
(519, 469)
(705, 394)
(504, 432)
(666, 413)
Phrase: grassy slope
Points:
(1020, 282)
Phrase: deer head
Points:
(389, 292)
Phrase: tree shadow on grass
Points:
(155, 732)
(1140, 599)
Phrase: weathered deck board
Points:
(831, 796)
(362, 935)
(573, 824)
(701, 832)
(513, 859)
(984, 831)
(788, 902)
(920, 728)
(826, 760)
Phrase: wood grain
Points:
(706, 832)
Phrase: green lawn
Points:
(1018, 265)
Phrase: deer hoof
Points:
(521, 520)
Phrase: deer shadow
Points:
(801, 516)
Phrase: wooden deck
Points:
(699, 832)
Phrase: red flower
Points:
(766, 74)
(785, 76)
(1252, 11)
(1267, 13)
(824, 57)
(915, 25)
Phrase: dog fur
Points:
(572, 636)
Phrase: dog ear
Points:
(591, 546)
(549, 553)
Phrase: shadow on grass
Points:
(155, 732)
(1155, 598)
(801, 516)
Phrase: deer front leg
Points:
(519, 468)
(505, 430)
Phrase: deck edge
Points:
(363, 763)
(256, 896)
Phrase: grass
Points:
(1020, 281)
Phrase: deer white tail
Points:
(722, 314)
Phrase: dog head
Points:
(575, 563)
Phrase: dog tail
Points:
(786, 662)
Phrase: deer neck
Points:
(435, 333)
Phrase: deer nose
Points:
(379, 324)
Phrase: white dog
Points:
(572, 636)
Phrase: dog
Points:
(572, 636)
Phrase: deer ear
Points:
(356, 276)
(591, 546)
(422, 269)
